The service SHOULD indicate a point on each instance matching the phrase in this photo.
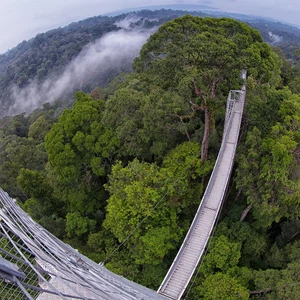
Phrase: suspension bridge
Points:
(34, 264)
(194, 244)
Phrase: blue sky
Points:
(23, 19)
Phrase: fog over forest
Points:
(112, 53)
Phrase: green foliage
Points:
(277, 284)
(134, 192)
(271, 183)
(222, 256)
(139, 138)
(54, 224)
(39, 129)
(146, 120)
(211, 45)
(78, 149)
(42, 206)
(136, 189)
(221, 286)
(49, 53)
(17, 153)
(18, 149)
(261, 98)
(33, 183)
(286, 69)
(289, 231)
(78, 225)
(243, 275)
(253, 244)
(201, 59)
(270, 162)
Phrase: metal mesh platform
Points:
(34, 264)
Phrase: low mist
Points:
(105, 58)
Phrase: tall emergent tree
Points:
(79, 152)
(201, 59)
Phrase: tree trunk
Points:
(245, 212)
(206, 136)
(258, 292)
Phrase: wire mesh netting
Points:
(34, 264)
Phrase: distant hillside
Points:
(49, 54)
(273, 32)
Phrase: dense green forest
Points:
(93, 172)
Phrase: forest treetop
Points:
(201, 60)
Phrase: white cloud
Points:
(115, 51)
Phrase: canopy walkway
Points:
(193, 247)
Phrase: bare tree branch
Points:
(245, 212)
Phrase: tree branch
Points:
(198, 91)
(196, 106)
(181, 118)
(257, 292)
